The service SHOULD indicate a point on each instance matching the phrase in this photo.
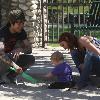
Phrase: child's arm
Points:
(49, 75)
(44, 77)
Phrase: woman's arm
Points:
(88, 45)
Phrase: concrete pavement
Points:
(29, 91)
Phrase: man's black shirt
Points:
(10, 39)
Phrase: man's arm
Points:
(1, 48)
(8, 61)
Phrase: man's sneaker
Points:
(7, 79)
(1, 81)
(4, 80)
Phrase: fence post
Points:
(72, 23)
(0, 13)
(42, 12)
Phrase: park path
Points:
(28, 91)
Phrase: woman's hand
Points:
(88, 45)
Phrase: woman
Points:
(91, 61)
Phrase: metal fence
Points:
(59, 18)
(0, 13)
(59, 12)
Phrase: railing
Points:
(59, 16)
(0, 13)
(92, 20)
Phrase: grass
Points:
(54, 34)
(53, 44)
(68, 10)
(55, 31)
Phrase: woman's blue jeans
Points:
(75, 57)
(91, 64)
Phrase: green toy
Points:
(26, 76)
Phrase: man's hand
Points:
(1, 48)
(19, 70)
(16, 53)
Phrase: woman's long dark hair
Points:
(71, 40)
(73, 43)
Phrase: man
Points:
(14, 42)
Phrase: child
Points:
(62, 71)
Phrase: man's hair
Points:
(58, 56)
(16, 14)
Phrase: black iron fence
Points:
(0, 13)
(59, 17)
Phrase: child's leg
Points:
(61, 85)
(56, 85)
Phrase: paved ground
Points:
(29, 91)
